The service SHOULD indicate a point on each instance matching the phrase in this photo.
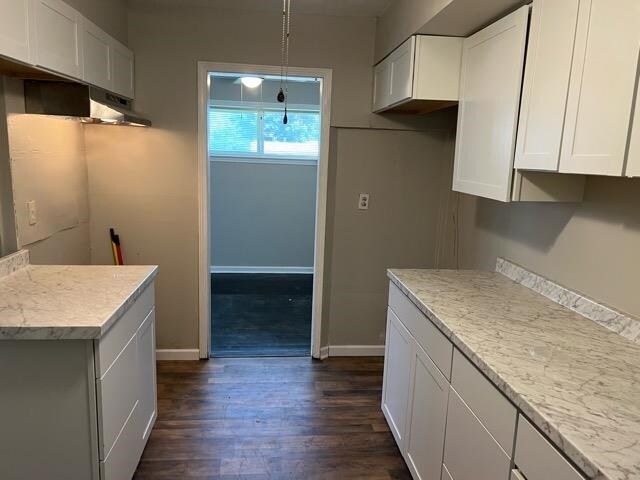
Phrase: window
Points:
(260, 133)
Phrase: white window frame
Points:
(260, 156)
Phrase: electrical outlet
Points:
(31, 211)
(363, 201)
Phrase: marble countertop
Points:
(67, 302)
(576, 381)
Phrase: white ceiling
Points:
(341, 8)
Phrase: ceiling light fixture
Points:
(251, 82)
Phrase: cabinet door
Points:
(426, 422)
(397, 373)
(14, 36)
(402, 71)
(381, 85)
(123, 70)
(601, 89)
(55, 37)
(546, 83)
(147, 372)
(97, 56)
(470, 452)
(491, 79)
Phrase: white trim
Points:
(178, 354)
(249, 269)
(204, 262)
(262, 161)
(324, 353)
(356, 351)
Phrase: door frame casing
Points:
(204, 229)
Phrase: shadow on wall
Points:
(538, 225)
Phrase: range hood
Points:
(89, 104)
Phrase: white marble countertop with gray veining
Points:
(576, 381)
(39, 302)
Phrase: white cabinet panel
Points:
(537, 459)
(437, 69)
(546, 84)
(124, 457)
(55, 37)
(470, 452)
(432, 340)
(123, 70)
(117, 396)
(490, 86)
(397, 372)
(14, 29)
(381, 85)
(497, 414)
(427, 418)
(402, 71)
(601, 89)
(147, 370)
(97, 55)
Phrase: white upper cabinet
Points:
(55, 37)
(98, 56)
(51, 35)
(123, 73)
(602, 87)
(14, 31)
(546, 83)
(490, 87)
(421, 74)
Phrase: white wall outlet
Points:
(363, 201)
(31, 211)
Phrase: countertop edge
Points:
(80, 332)
(529, 411)
(124, 306)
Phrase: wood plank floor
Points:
(271, 418)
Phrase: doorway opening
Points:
(265, 209)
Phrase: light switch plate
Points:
(31, 210)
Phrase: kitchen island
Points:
(77, 369)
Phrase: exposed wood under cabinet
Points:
(421, 107)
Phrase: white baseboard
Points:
(356, 350)
(324, 353)
(178, 354)
(231, 269)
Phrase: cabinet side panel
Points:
(47, 411)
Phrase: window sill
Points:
(266, 161)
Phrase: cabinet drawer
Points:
(470, 452)
(432, 340)
(493, 409)
(537, 459)
(123, 459)
(117, 396)
(111, 344)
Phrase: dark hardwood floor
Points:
(261, 314)
(271, 418)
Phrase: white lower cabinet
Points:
(427, 417)
(471, 452)
(96, 401)
(397, 368)
(462, 429)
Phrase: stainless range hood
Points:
(89, 104)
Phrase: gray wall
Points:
(593, 246)
(407, 175)
(262, 215)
